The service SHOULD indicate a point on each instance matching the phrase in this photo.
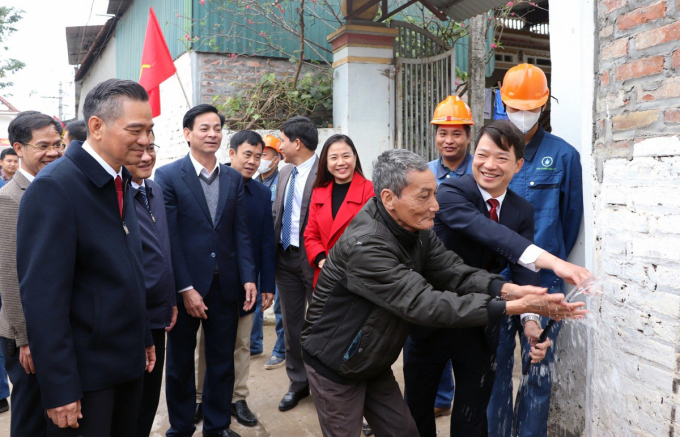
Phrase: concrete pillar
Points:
(363, 87)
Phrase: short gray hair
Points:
(391, 168)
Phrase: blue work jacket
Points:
(442, 174)
(551, 180)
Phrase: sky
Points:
(40, 42)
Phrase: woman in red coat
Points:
(340, 191)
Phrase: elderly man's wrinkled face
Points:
(414, 210)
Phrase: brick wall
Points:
(635, 337)
(220, 75)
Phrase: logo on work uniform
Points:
(547, 161)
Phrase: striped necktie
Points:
(142, 192)
(288, 211)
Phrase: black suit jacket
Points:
(464, 226)
(159, 278)
(261, 226)
(81, 279)
(198, 243)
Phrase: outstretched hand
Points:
(548, 305)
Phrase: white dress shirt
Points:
(27, 175)
(530, 254)
(300, 181)
(200, 169)
(88, 148)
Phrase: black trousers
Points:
(28, 417)
(473, 370)
(152, 386)
(110, 412)
(180, 383)
(295, 292)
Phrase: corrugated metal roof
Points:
(79, 39)
(460, 10)
(244, 30)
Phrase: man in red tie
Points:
(80, 272)
(489, 227)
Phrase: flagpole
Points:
(183, 92)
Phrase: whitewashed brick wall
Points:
(634, 337)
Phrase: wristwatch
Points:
(531, 317)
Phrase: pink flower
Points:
(187, 37)
(493, 46)
(202, 2)
(263, 34)
(233, 56)
(462, 24)
(247, 6)
(512, 13)
(250, 21)
(176, 15)
(510, 3)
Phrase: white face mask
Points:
(264, 166)
(524, 120)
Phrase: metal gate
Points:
(426, 75)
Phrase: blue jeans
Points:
(280, 345)
(535, 406)
(257, 333)
(4, 385)
(445, 390)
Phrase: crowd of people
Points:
(119, 277)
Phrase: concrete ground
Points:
(266, 389)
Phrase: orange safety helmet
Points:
(273, 142)
(525, 87)
(452, 111)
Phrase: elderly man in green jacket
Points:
(388, 270)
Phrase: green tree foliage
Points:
(8, 18)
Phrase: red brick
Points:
(633, 120)
(642, 15)
(615, 49)
(605, 77)
(659, 35)
(672, 116)
(613, 5)
(640, 67)
(669, 88)
(676, 58)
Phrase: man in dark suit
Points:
(214, 267)
(159, 279)
(37, 139)
(79, 261)
(471, 224)
(294, 274)
(245, 153)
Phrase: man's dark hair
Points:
(103, 100)
(197, 110)
(505, 135)
(246, 136)
(7, 151)
(21, 128)
(303, 129)
(467, 127)
(77, 130)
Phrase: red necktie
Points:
(119, 192)
(493, 212)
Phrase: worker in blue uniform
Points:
(551, 180)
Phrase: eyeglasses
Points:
(151, 150)
(43, 147)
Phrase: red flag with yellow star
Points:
(157, 64)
